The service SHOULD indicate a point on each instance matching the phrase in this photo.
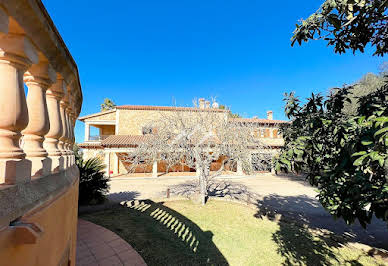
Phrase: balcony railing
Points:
(98, 137)
(38, 59)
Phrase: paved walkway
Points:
(289, 196)
(97, 245)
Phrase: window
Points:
(262, 132)
(275, 133)
(146, 130)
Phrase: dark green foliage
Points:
(346, 158)
(368, 84)
(347, 24)
(93, 184)
(107, 105)
(77, 151)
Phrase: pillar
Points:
(239, 168)
(115, 164)
(87, 131)
(107, 163)
(53, 97)
(16, 55)
(38, 79)
(155, 169)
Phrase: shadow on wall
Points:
(161, 235)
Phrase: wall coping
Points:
(17, 200)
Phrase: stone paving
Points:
(97, 245)
(289, 196)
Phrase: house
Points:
(124, 127)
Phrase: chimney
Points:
(207, 104)
(201, 103)
(215, 105)
(255, 117)
(269, 115)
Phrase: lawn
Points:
(221, 233)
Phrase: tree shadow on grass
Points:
(306, 234)
(299, 246)
(218, 189)
(160, 235)
(123, 196)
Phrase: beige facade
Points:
(133, 121)
(124, 126)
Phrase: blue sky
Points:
(157, 52)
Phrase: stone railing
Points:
(36, 132)
(38, 176)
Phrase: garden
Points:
(222, 233)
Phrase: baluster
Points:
(53, 96)
(63, 139)
(16, 55)
(38, 79)
(69, 131)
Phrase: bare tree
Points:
(196, 137)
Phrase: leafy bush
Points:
(93, 184)
(345, 157)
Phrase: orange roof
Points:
(124, 140)
(134, 140)
(90, 145)
(258, 120)
(170, 108)
(82, 118)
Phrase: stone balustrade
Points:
(37, 129)
(40, 100)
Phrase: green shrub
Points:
(93, 184)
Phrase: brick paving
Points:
(97, 245)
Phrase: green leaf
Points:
(359, 161)
(381, 131)
(359, 153)
(366, 142)
(382, 119)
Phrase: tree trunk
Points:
(202, 187)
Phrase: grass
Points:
(221, 233)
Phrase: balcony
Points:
(98, 137)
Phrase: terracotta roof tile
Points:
(124, 140)
(90, 145)
(133, 140)
(169, 108)
(258, 120)
(82, 118)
